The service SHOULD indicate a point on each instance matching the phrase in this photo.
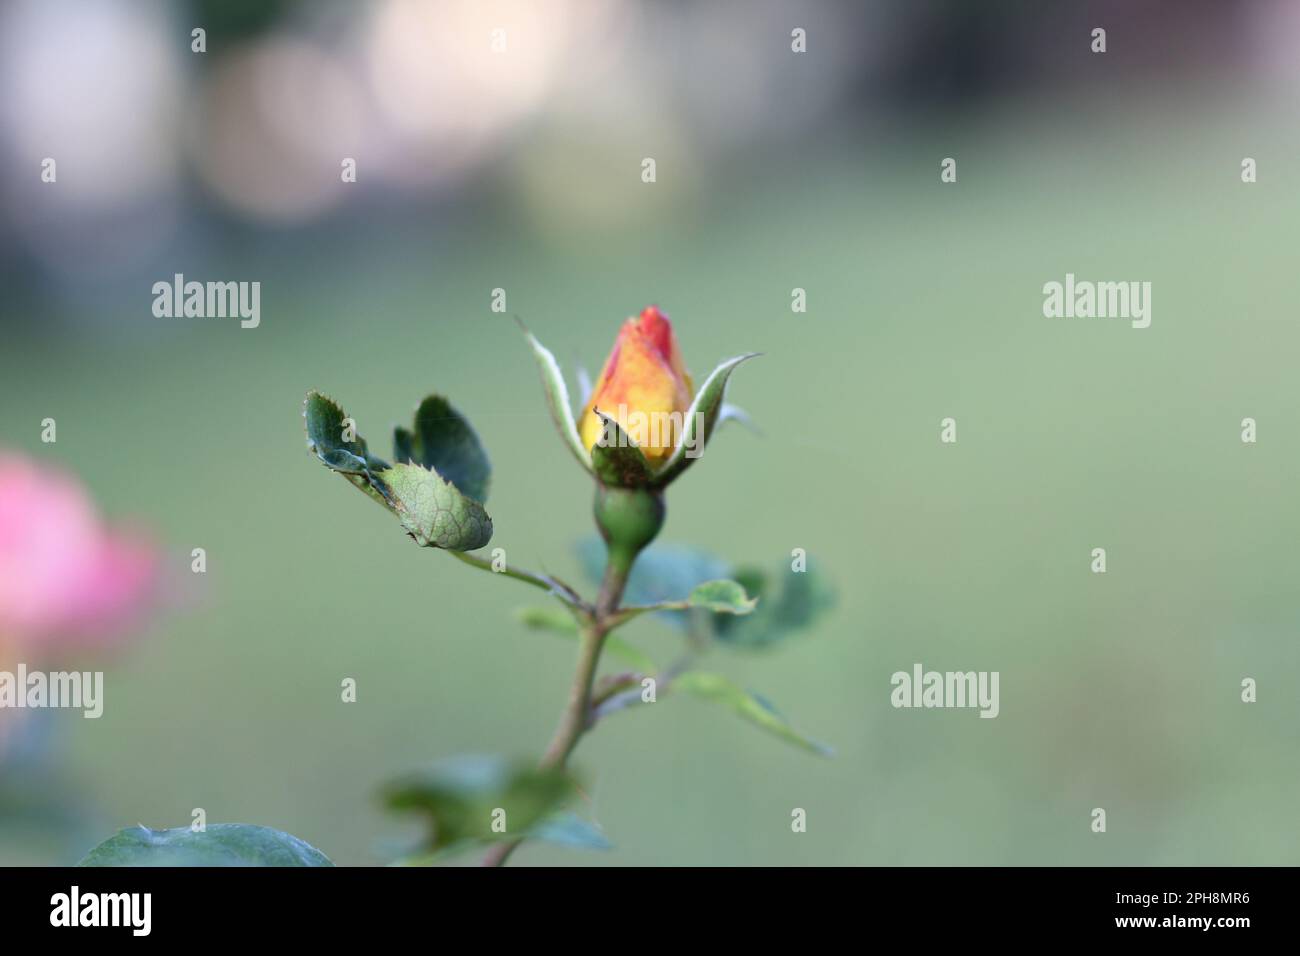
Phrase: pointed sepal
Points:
(557, 398)
(700, 421)
(616, 458)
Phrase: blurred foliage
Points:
(746, 705)
(558, 621)
(788, 601)
(219, 844)
(232, 20)
(473, 800)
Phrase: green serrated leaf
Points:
(327, 426)
(700, 420)
(443, 441)
(221, 844)
(720, 597)
(744, 704)
(557, 399)
(432, 510)
(461, 798)
(327, 430)
(616, 458)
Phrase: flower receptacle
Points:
(628, 519)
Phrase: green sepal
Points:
(616, 458)
(557, 398)
(700, 421)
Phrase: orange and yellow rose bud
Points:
(643, 386)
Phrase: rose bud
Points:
(643, 386)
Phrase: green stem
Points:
(620, 697)
(544, 581)
(576, 718)
(573, 723)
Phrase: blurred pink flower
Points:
(66, 578)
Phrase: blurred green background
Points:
(1119, 691)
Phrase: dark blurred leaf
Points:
(745, 704)
(229, 22)
(221, 844)
(789, 602)
(459, 797)
(443, 441)
(565, 828)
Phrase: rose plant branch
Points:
(546, 582)
(578, 713)
(642, 426)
